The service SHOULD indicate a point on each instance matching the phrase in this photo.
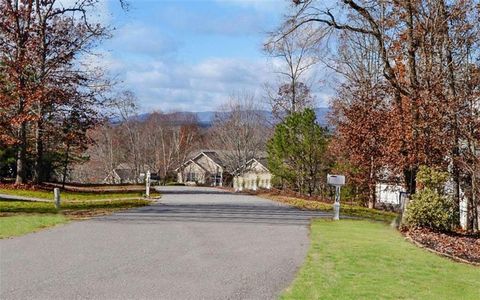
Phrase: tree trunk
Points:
(371, 198)
(410, 176)
(371, 185)
(38, 173)
(65, 166)
(22, 154)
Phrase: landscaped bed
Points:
(461, 246)
(358, 259)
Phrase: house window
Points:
(192, 176)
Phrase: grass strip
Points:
(21, 224)
(359, 259)
(345, 209)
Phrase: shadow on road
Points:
(225, 213)
(193, 192)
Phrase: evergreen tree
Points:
(297, 153)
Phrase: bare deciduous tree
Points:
(293, 57)
(241, 128)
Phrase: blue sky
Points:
(190, 55)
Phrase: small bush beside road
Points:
(431, 207)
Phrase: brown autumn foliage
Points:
(48, 98)
(410, 94)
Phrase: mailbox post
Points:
(337, 181)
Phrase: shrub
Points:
(432, 210)
(432, 179)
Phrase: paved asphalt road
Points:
(195, 243)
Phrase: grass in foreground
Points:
(22, 224)
(345, 209)
(356, 259)
(74, 196)
(20, 217)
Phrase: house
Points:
(126, 173)
(205, 168)
(253, 175)
(209, 167)
(391, 195)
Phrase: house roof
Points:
(221, 157)
(248, 165)
(216, 156)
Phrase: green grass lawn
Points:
(356, 259)
(74, 196)
(345, 209)
(7, 206)
(22, 224)
(20, 217)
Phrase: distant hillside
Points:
(206, 118)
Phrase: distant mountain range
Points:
(206, 118)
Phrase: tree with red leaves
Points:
(43, 83)
(411, 94)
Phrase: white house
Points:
(204, 168)
(208, 167)
(252, 176)
(390, 194)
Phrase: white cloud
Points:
(148, 60)
(144, 39)
(172, 85)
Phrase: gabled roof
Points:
(221, 158)
(191, 161)
(214, 156)
(261, 161)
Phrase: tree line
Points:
(49, 97)
(409, 93)
(407, 99)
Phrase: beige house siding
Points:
(256, 177)
(206, 168)
(200, 168)
(195, 171)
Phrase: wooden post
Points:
(56, 197)
(235, 184)
(147, 184)
(221, 178)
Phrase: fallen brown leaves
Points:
(456, 245)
